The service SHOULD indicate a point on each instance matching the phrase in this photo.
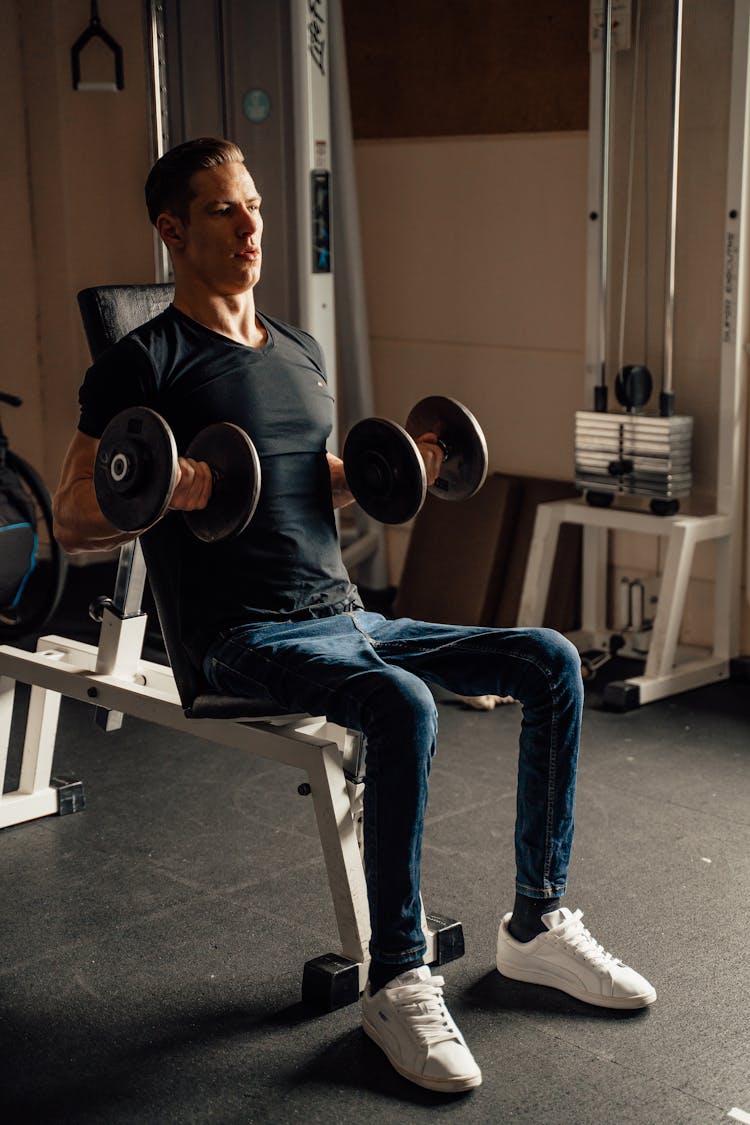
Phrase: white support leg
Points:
(7, 695)
(39, 744)
(668, 669)
(539, 566)
(118, 654)
(343, 861)
(35, 797)
(594, 588)
(672, 594)
(726, 620)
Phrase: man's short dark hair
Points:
(168, 184)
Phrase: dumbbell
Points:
(385, 470)
(136, 471)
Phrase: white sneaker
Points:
(567, 957)
(409, 1021)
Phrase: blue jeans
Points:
(370, 674)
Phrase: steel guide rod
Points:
(666, 398)
(600, 391)
(159, 113)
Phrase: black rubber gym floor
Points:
(153, 944)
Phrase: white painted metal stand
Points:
(669, 667)
(36, 795)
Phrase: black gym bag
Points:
(18, 538)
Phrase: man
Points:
(274, 612)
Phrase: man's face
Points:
(220, 246)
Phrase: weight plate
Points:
(135, 469)
(384, 470)
(464, 470)
(235, 464)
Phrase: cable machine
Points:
(670, 667)
(630, 452)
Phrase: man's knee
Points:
(558, 659)
(405, 705)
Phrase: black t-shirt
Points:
(288, 560)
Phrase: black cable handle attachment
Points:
(96, 31)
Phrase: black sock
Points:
(380, 973)
(527, 922)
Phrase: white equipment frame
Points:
(115, 677)
(311, 64)
(670, 668)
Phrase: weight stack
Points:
(634, 454)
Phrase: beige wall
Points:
(18, 297)
(73, 213)
(474, 255)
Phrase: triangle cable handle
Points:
(96, 31)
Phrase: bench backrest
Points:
(110, 312)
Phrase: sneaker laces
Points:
(424, 1009)
(574, 934)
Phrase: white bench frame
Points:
(115, 677)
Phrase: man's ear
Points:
(171, 231)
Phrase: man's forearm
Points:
(79, 524)
(339, 488)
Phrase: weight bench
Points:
(116, 679)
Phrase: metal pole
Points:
(666, 397)
(159, 112)
(311, 37)
(600, 391)
(735, 321)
